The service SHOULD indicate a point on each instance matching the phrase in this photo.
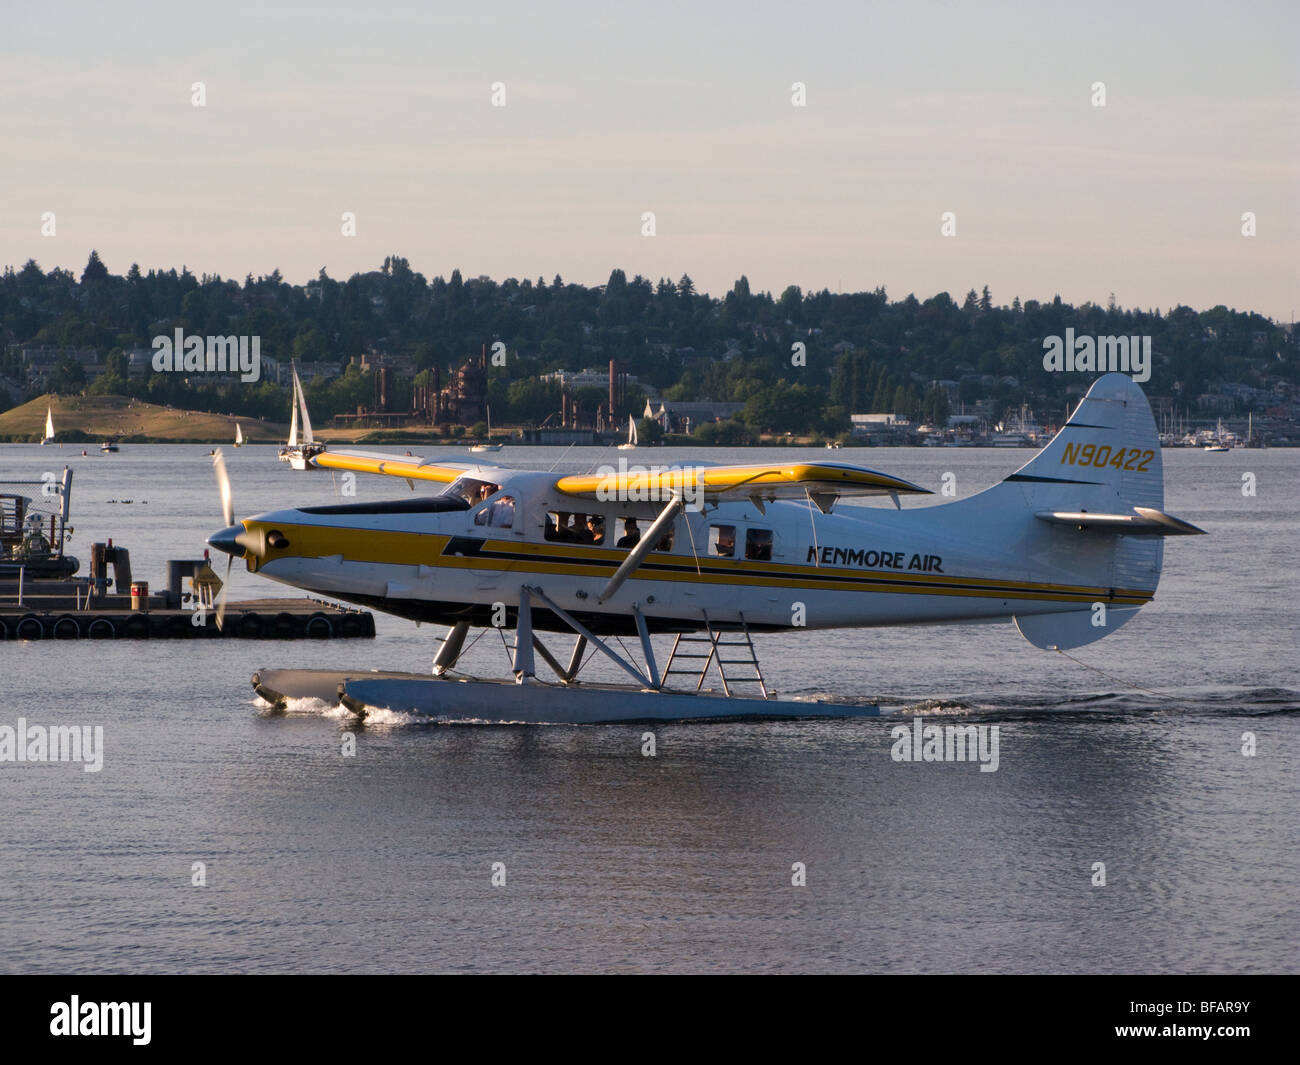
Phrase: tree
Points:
(935, 408)
(68, 377)
(649, 431)
(95, 270)
(726, 433)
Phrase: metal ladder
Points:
(718, 647)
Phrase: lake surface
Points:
(613, 861)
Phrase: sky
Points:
(612, 110)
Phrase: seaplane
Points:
(1069, 548)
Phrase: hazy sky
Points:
(913, 109)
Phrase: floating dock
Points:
(63, 613)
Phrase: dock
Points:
(67, 610)
(41, 598)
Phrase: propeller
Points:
(228, 515)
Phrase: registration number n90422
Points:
(1101, 455)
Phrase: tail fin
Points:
(1097, 493)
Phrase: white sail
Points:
(293, 406)
(631, 435)
(302, 405)
(49, 424)
(239, 435)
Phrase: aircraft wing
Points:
(763, 481)
(409, 467)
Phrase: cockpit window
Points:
(472, 489)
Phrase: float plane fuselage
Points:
(767, 546)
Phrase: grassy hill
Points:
(79, 419)
(92, 419)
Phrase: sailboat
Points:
(49, 427)
(296, 453)
(489, 446)
(239, 436)
(631, 435)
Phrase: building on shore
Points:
(686, 417)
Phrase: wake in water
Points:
(311, 707)
(1250, 702)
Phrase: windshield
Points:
(471, 489)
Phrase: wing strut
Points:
(644, 546)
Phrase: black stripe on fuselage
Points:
(482, 615)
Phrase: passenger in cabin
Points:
(758, 545)
(578, 528)
(564, 528)
(596, 529)
(631, 534)
(502, 513)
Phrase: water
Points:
(681, 862)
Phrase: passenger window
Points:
(722, 540)
(758, 544)
(629, 535)
(570, 527)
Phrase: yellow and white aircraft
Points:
(1069, 546)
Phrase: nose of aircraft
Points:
(228, 540)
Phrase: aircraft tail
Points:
(1095, 496)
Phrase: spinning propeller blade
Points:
(221, 599)
(223, 486)
(228, 515)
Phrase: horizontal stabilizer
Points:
(1142, 521)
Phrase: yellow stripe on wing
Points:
(411, 469)
(779, 481)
